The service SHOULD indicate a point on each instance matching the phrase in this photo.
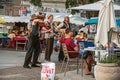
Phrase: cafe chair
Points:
(67, 60)
(21, 43)
(82, 57)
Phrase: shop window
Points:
(9, 0)
(1, 7)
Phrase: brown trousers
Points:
(49, 48)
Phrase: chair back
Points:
(65, 51)
(81, 45)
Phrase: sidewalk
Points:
(11, 68)
(72, 75)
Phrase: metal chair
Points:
(19, 43)
(81, 47)
(82, 64)
(67, 59)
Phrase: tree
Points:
(117, 2)
(73, 3)
(36, 2)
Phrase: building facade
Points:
(10, 7)
(56, 4)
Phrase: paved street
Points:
(11, 58)
(16, 58)
(11, 68)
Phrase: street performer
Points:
(49, 36)
(33, 42)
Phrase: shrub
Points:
(111, 59)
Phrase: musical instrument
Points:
(43, 24)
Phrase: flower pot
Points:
(107, 71)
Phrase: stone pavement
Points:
(72, 75)
(11, 68)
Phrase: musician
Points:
(49, 36)
(65, 24)
(33, 43)
(29, 26)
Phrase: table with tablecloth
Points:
(86, 44)
(15, 39)
(89, 46)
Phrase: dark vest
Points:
(35, 30)
(65, 26)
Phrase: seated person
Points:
(88, 61)
(71, 46)
(11, 34)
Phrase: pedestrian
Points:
(33, 44)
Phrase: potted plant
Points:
(108, 68)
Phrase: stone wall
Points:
(10, 8)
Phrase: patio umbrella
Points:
(106, 22)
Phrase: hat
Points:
(40, 17)
(49, 15)
(33, 16)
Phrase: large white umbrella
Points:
(94, 6)
(105, 22)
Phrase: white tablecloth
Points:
(98, 56)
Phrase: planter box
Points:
(107, 71)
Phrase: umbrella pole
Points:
(109, 42)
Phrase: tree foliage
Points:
(36, 2)
(74, 3)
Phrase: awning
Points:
(11, 19)
(2, 21)
(95, 21)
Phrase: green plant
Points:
(111, 59)
(36, 2)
